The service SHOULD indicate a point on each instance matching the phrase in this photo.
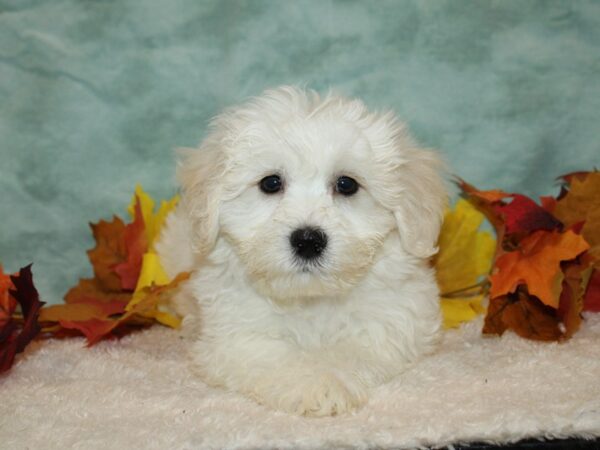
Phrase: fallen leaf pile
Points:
(129, 290)
(546, 268)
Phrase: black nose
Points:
(308, 243)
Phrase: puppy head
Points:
(306, 190)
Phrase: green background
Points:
(94, 95)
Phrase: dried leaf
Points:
(464, 259)
(537, 264)
(581, 204)
(96, 321)
(541, 278)
(154, 302)
(522, 215)
(81, 311)
(7, 303)
(576, 278)
(548, 203)
(523, 314)
(14, 338)
(110, 250)
(92, 289)
(107, 305)
(569, 177)
(591, 301)
(486, 202)
(136, 245)
(456, 311)
(94, 329)
(153, 221)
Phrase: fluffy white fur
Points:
(306, 339)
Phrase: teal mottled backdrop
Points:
(94, 95)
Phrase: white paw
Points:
(323, 395)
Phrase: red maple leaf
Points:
(523, 215)
(591, 300)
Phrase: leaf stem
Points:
(464, 292)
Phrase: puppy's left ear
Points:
(420, 209)
(200, 172)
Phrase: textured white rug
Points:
(139, 393)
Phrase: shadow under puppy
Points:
(307, 223)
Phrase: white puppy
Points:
(308, 224)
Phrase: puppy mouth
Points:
(306, 270)
(308, 267)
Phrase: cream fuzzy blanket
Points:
(139, 393)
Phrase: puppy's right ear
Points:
(199, 172)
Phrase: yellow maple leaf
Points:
(464, 259)
(153, 221)
(152, 273)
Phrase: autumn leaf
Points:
(580, 175)
(512, 215)
(523, 215)
(100, 320)
(7, 303)
(92, 289)
(81, 311)
(464, 259)
(527, 316)
(581, 204)
(14, 336)
(110, 250)
(576, 279)
(153, 221)
(486, 202)
(94, 329)
(136, 245)
(523, 314)
(591, 300)
(543, 276)
(155, 302)
(537, 264)
(130, 289)
(152, 273)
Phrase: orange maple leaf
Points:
(82, 310)
(7, 303)
(110, 250)
(93, 289)
(537, 264)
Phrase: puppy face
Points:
(301, 213)
(306, 190)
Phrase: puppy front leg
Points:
(279, 375)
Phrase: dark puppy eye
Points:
(271, 184)
(346, 186)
